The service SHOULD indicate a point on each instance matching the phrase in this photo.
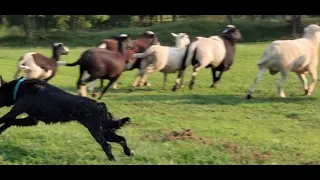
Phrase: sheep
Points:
(38, 66)
(166, 59)
(144, 41)
(215, 52)
(102, 64)
(299, 55)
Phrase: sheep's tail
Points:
(271, 52)
(63, 63)
(189, 55)
(146, 53)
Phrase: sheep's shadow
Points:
(73, 89)
(213, 99)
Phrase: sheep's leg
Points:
(136, 81)
(314, 76)
(281, 82)
(111, 136)
(255, 82)
(215, 78)
(91, 86)
(179, 80)
(115, 85)
(112, 80)
(304, 82)
(165, 75)
(150, 68)
(196, 70)
(96, 131)
(16, 74)
(83, 83)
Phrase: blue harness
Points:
(16, 88)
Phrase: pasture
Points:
(220, 125)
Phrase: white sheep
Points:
(298, 55)
(215, 52)
(165, 59)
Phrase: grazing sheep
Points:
(298, 55)
(102, 64)
(49, 104)
(215, 52)
(144, 41)
(38, 66)
(166, 59)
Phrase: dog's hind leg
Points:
(95, 128)
(111, 136)
(28, 121)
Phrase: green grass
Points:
(264, 130)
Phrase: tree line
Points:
(31, 23)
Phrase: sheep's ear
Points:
(174, 35)
(3, 82)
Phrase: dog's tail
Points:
(114, 124)
(120, 123)
(63, 63)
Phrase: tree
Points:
(296, 24)
(174, 18)
(27, 27)
(229, 18)
(73, 23)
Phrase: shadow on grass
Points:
(13, 153)
(214, 99)
(73, 89)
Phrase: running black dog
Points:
(49, 104)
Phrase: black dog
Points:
(49, 104)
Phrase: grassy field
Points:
(226, 128)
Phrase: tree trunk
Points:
(141, 18)
(229, 18)
(2, 19)
(174, 18)
(296, 24)
(161, 16)
(73, 23)
(27, 27)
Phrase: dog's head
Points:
(6, 92)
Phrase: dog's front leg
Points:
(12, 114)
(28, 121)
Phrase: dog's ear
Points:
(3, 82)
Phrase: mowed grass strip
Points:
(202, 126)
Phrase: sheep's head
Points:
(154, 40)
(182, 39)
(124, 41)
(233, 32)
(312, 29)
(60, 48)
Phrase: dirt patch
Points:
(264, 156)
(231, 146)
(184, 134)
